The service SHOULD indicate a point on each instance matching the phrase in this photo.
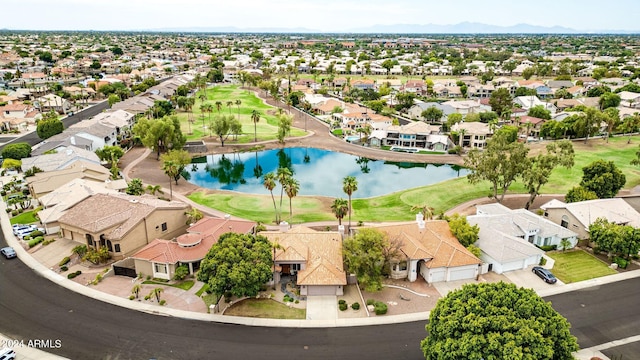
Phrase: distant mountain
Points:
(464, 28)
(233, 29)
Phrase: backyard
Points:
(578, 265)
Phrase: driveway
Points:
(322, 307)
(527, 279)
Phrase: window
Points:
(89, 239)
(164, 227)
(565, 221)
(117, 247)
(295, 267)
(160, 268)
(110, 245)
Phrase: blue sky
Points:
(322, 15)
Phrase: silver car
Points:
(8, 252)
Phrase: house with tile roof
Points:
(578, 216)
(123, 223)
(161, 257)
(509, 239)
(313, 259)
(474, 134)
(430, 250)
(415, 135)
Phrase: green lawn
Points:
(184, 285)
(578, 265)
(26, 217)
(266, 128)
(265, 308)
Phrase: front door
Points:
(286, 269)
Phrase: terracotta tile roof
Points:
(14, 107)
(322, 252)
(435, 243)
(534, 120)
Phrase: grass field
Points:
(184, 285)
(26, 217)
(266, 128)
(441, 196)
(265, 308)
(578, 265)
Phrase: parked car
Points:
(8, 252)
(26, 231)
(7, 354)
(545, 274)
(18, 227)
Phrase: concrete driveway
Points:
(322, 307)
(527, 279)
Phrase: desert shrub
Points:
(343, 307)
(287, 298)
(342, 301)
(355, 306)
(147, 297)
(14, 212)
(370, 301)
(47, 242)
(80, 250)
(64, 261)
(35, 241)
(297, 301)
(74, 274)
(163, 302)
(380, 308)
(131, 297)
(181, 272)
(64, 268)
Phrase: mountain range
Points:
(460, 28)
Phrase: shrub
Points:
(64, 268)
(380, 308)
(131, 297)
(36, 233)
(35, 241)
(14, 212)
(287, 298)
(64, 261)
(47, 242)
(147, 297)
(162, 302)
(80, 250)
(181, 272)
(74, 274)
(97, 279)
(355, 306)
(543, 261)
(342, 301)
(343, 307)
(297, 301)
(370, 301)
(548, 247)
(3, 193)
(622, 263)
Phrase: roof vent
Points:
(133, 201)
(227, 216)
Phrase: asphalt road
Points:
(32, 138)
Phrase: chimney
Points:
(227, 216)
(284, 226)
(421, 225)
(419, 217)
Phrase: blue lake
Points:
(319, 172)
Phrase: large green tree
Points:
(432, 114)
(180, 159)
(603, 178)
(237, 263)
(16, 151)
(466, 233)
(578, 193)
(160, 135)
(110, 154)
(541, 166)
(223, 126)
(49, 125)
(496, 321)
(501, 102)
(621, 240)
(364, 255)
(500, 164)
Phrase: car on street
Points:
(544, 274)
(8, 252)
(7, 354)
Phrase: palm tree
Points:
(238, 103)
(339, 208)
(426, 211)
(269, 182)
(229, 105)
(461, 133)
(349, 186)
(171, 169)
(292, 186)
(153, 189)
(282, 174)
(218, 106)
(136, 290)
(156, 292)
(255, 117)
(193, 216)
(275, 246)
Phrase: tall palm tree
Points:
(426, 211)
(282, 174)
(238, 102)
(171, 169)
(269, 182)
(339, 208)
(229, 105)
(292, 186)
(349, 186)
(218, 106)
(255, 117)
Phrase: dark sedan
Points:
(545, 274)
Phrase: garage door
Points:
(462, 274)
(438, 275)
(510, 266)
(321, 290)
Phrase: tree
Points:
(269, 182)
(110, 154)
(349, 186)
(161, 134)
(170, 169)
(49, 126)
(339, 208)
(237, 263)
(500, 163)
(284, 127)
(539, 112)
(540, 167)
(291, 188)
(611, 116)
(255, 117)
(16, 151)
(500, 102)
(221, 126)
(619, 240)
(588, 123)
(364, 256)
(528, 73)
(153, 189)
(578, 193)
(603, 178)
(465, 233)
(609, 100)
(135, 187)
(496, 321)
(180, 159)
(452, 119)
(426, 211)
(282, 175)
(432, 114)
(193, 216)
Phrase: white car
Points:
(26, 231)
(7, 354)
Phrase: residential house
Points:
(160, 258)
(417, 87)
(465, 107)
(533, 125)
(480, 91)
(629, 99)
(60, 160)
(415, 112)
(122, 223)
(578, 216)
(430, 250)
(416, 135)
(53, 102)
(312, 259)
(472, 134)
(527, 102)
(509, 238)
(363, 84)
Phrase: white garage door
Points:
(438, 275)
(321, 290)
(462, 274)
(513, 265)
